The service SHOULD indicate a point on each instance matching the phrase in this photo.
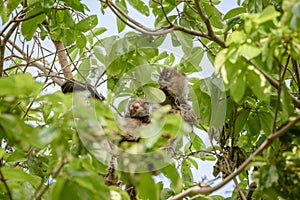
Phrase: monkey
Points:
(141, 109)
(72, 85)
(175, 85)
(187, 113)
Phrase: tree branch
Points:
(208, 25)
(200, 190)
(160, 31)
(36, 64)
(63, 59)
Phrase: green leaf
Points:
(185, 41)
(238, 37)
(140, 6)
(249, 51)
(45, 136)
(241, 121)
(12, 5)
(87, 24)
(266, 121)
(85, 67)
(254, 124)
(75, 4)
(269, 13)
(2, 153)
(121, 25)
(238, 86)
(68, 36)
(234, 12)
(258, 83)
(99, 30)
(147, 188)
(154, 94)
(171, 172)
(20, 85)
(196, 142)
(80, 40)
(28, 27)
(214, 15)
(16, 174)
(4, 13)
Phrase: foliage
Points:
(66, 146)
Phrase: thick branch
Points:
(63, 59)
(200, 190)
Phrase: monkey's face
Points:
(138, 108)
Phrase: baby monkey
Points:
(138, 113)
(141, 109)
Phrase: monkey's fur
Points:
(175, 85)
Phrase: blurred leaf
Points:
(84, 67)
(20, 85)
(45, 136)
(268, 13)
(16, 174)
(258, 83)
(171, 172)
(147, 187)
(154, 94)
(249, 51)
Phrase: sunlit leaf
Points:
(234, 12)
(87, 24)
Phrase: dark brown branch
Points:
(297, 73)
(200, 190)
